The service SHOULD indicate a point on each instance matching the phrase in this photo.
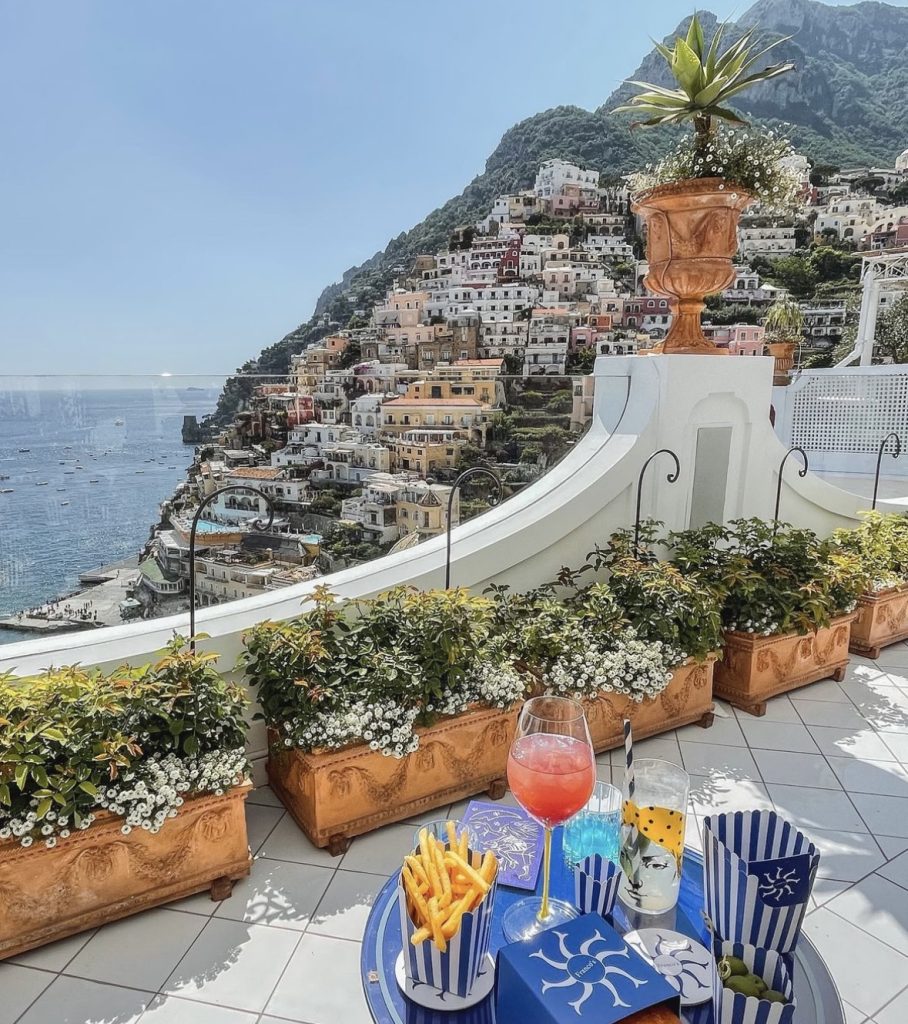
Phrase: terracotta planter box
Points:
(336, 795)
(688, 698)
(756, 668)
(100, 875)
(882, 619)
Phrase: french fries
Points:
(442, 884)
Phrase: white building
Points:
(554, 175)
(773, 241)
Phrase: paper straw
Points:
(629, 759)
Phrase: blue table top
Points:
(818, 1000)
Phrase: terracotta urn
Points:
(692, 238)
(783, 353)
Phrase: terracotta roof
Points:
(256, 472)
(431, 401)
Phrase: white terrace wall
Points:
(713, 411)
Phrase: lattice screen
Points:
(849, 412)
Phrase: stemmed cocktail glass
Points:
(551, 772)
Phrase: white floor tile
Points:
(778, 709)
(878, 907)
(825, 689)
(260, 820)
(322, 984)
(723, 730)
(896, 871)
(19, 988)
(897, 745)
(379, 852)
(893, 655)
(76, 1001)
(887, 778)
(891, 846)
(868, 973)
(829, 712)
(779, 736)
(288, 842)
(56, 955)
(816, 808)
(277, 892)
(825, 889)
(779, 766)
(895, 1012)
(853, 1015)
(233, 964)
(201, 903)
(864, 744)
(264, 795)
(714, 759)
(171, 1010)
(885, 710)
(845, 856)
(710, 795)
(140, 951)
(885, 815)
(345, 907)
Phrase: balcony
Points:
(832, 757)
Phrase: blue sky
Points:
(180, 178)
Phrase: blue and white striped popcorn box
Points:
(457, 968)
(758, 875)
(596, 883)
(735, 1008)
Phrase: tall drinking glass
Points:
(551, 772)
(652, 836)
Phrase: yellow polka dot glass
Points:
(652, 836)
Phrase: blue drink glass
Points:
(596, 828)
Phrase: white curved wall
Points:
(642, 403)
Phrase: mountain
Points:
(845, 103)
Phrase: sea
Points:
(86, 468)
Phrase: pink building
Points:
(738, 339)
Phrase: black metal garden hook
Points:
(494, 500)
(879, 458)
(671, 478)
(801, 473)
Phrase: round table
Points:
(818, 999)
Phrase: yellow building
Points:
(465, 416)
(423, 508)
(425, 451)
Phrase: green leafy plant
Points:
(770, 582)
(881, 544)
(133, 742)
(784, 321)
(706, 80)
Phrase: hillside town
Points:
(480, 354)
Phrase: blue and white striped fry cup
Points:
(735, 1008)
(758, 875)
(457, 968)
(596, 884)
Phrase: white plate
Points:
(435, 998)
(684, 963)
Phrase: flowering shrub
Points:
(751, 159)
(135, 743)
(770, 583)
(881, 543)
(373, 671)
(629, 665)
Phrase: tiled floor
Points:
(834, 758)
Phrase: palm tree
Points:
(784, 321)
(706, 79)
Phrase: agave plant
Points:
(706, 79)
(784, 321)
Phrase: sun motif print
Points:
(587, 970)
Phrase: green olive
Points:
(773, 997)
(736, 966)
(744, 986)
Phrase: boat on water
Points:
(69, 472)
(94, 481)
(119, 423)
(22, 451)
(60, 489)
(139, 472)
(6, 490)
(41, 483)
(4, 476)
(64, 503)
